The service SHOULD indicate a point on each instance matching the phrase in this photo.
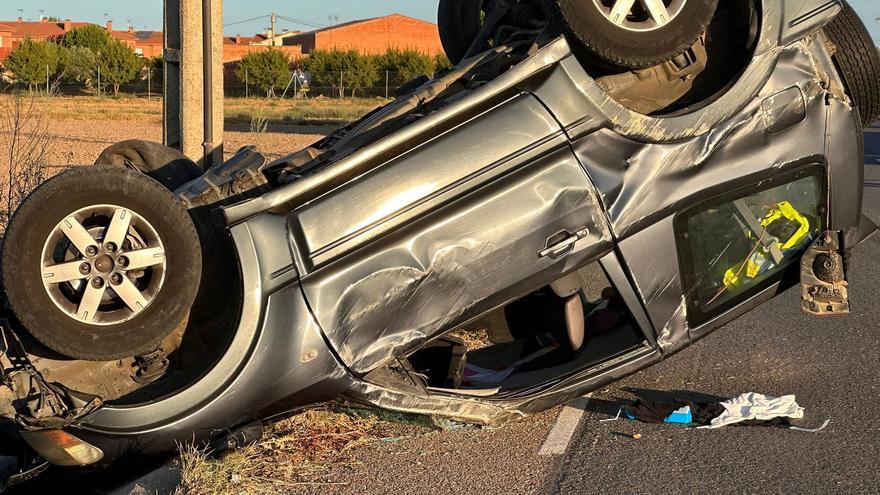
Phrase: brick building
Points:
(369, 36)
(148, 44)
(145, 43)
(372, 36)
(236, 47)
(44, 30)
(5, 40)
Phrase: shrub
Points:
(361, 71)
(23, 151)
(405, 65)
(31, 60)
(325, 68)
(77, 64)
(93, 37)
(268, 70)
(441, 62)
(119, 64)
(341, 70)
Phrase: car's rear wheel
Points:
(101, 263)
(460, 22)
(858, 60)
(630, 34)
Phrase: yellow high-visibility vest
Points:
(759, 262)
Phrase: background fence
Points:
(302, 85)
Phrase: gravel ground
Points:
(78, 142)
(501, 460)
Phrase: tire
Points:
(459, 22)
(858, 61)
(599, 41)
(167, 165)
(167, 282)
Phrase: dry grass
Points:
(473, 337)
(293, 452)
(316, 110)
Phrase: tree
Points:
(33, 61)
(93, 37)
(325, 67)
(77, 64)
(441, 63)
(361, 71)
(405, 65)
(267, 69)
(340, 70)
(119, 64)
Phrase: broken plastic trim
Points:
(27, 399)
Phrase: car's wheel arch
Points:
(778, 28)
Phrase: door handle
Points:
(561, 244)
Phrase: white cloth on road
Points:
(752, 406)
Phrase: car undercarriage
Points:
(526, 227)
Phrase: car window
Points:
(733, 248)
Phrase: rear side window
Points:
(732, 248)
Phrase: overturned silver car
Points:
(524, 229)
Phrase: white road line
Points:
(566, 424)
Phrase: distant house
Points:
(5, 40)
(236, 47)
(148, 44)
(145, 43)
(372, 36)
(368, 36)
(43, 30)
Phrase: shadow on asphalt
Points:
(105, 481)
(610, 407)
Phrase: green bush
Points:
(119, 65)
(326, 68)
(77, 64)
(361, 71)
(268, 70)
(441, 62)
(405, 65)
(30, 62)
(342, 70)
(93, 37)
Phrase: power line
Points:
(302, 22)
(288, 19)
(246, 20)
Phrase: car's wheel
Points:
(167, 165)
(101, 263)
(858, 60)
(460, 22)
(630, 34)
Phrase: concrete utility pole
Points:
(272, 29)
(193, 108)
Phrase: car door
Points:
(493, 208)
(712, 226)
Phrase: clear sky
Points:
(147, 14)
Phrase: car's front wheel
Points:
(101, 263)
(630, 34)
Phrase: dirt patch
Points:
(296, 452)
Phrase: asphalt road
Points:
(831, 365)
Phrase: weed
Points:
(26, 131)
(259, 123)
(293, 452)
